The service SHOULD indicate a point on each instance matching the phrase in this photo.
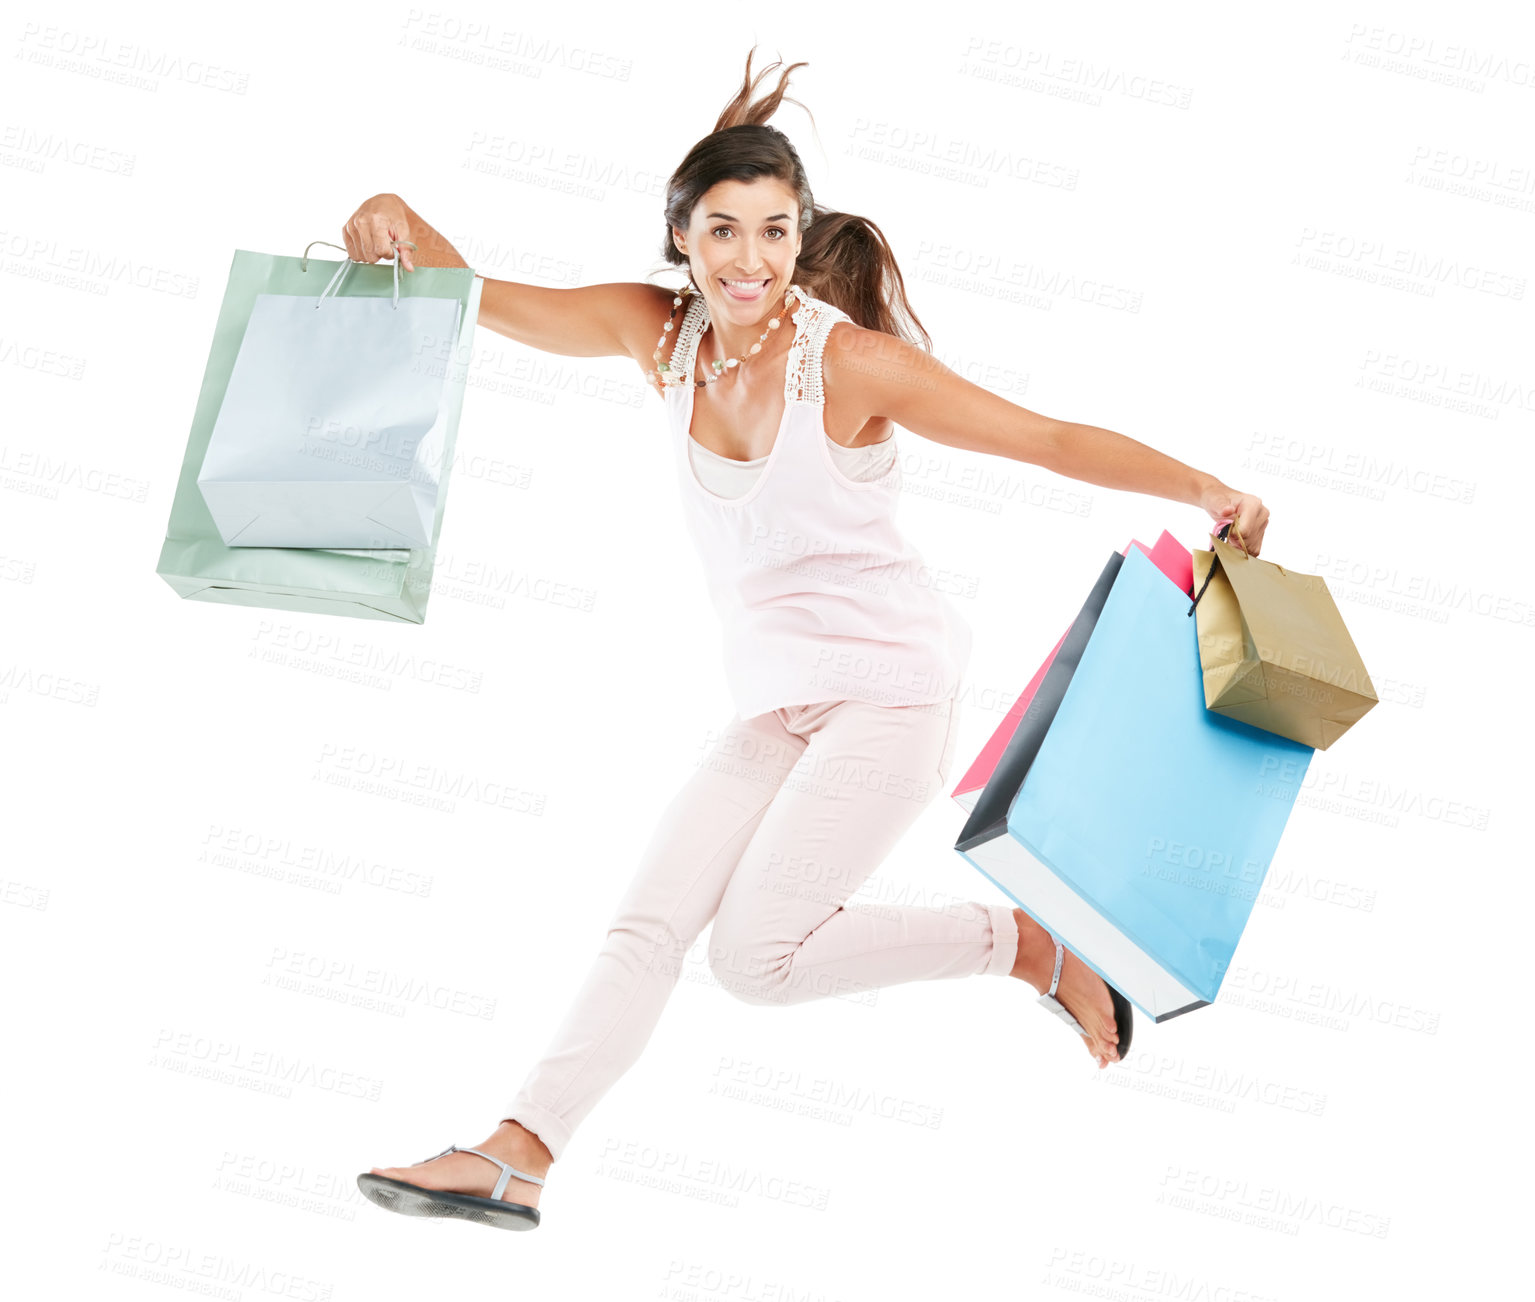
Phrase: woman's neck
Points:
(723, 340)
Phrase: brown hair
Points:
(843, 259)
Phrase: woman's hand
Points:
(1246, 509)
(370, 231)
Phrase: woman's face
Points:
(743, 231)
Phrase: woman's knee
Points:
(744, 969)
(759, 974)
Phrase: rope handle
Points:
(1229, 527)
(335, 280)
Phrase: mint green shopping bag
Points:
(391, 584)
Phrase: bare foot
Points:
(1081, 990)
(470, 1174)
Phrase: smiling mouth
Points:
(745, 289)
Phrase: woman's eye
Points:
(778, 229)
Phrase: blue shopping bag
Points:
(1139, 825)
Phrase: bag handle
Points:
(1228, 527)
(1225, 529)
(335, 280)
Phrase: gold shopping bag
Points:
(1273, 648)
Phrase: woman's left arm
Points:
(881, 375)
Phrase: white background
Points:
(1291, 247)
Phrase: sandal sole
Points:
(442, 1204)
(1124, 1021)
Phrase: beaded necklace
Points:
(664, 375)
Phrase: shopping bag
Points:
(331, 430)
(367, 583)
(1130, 821)
(1274, 649)
(1169, 556)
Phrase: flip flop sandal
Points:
(413, 1200)
(1124, 1019)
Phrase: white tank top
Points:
(731, 478)
(820, 596)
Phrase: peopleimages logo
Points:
(1319, 1003)
(1264, 1206)
(74, 266)
(1375, 260)
(1421, 594)
(1328, 465)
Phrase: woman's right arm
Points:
(622, 319)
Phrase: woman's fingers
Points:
(1252, 520)
(378, 238)
(386, 230)
(370, 233)
(1261, 523)
(400, 230)
(1248, 517)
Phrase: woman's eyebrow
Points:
(776, 217)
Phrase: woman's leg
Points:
(781, 934)
(674, 893)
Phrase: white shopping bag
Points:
(331, 431)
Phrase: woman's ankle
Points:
(518, 1136)
(1036, 952)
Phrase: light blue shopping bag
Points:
(393, 583)
(332, 428)
(1145, 823)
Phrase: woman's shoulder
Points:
(833, 336)
(819, 309)
(824, 326)
(657, 321)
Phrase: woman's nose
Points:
(749, 260)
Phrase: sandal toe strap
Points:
(1061, 1011)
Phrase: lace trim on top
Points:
(685, 350)
(803, 381)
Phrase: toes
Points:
(1103, 1051)
(1100, 1005)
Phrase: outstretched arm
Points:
(886, 376)
(615, 319)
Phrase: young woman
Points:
(783, 371)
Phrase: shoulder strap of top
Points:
(814, 320)
(685, 350)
